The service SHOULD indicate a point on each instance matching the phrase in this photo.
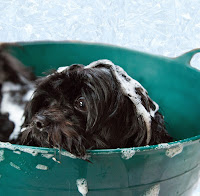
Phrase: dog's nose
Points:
(41, 122)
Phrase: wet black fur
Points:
(52, 118)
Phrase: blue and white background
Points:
(163, 27)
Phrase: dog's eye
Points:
(80, 104)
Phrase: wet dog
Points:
(94, 107)
(16, 87)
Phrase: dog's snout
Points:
(41, 122)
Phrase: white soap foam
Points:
(33, 152)
(48, 156)
(172, 152)
(42, 167)
(127, 153)
(82, 186)
(68, 154)
(17, 152)
(2, 158)
(153, 191)
(163, 146)
(15, 166)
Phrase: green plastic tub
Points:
(165, 169)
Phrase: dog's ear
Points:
(159, 133)
(146, 100)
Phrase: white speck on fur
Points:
(2, 158)
(82, 186)
(15, 166)
(153, 191)
(23, 129)
(42, 167)
(174, 151)
(128, 153)
(60, 69)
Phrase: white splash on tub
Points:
(2, 155)
(68, 154)
(42, 167)
(163, 146)
(171, 152)
(128, 153)
(15, 166)
(33, 152)
(48, 156)
(17, 152)
(153, 191)
(82, 186)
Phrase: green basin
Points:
(165, 169)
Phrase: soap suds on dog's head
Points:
(129, 86)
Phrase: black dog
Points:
(80, 108)
(16, 85)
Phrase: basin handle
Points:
(187, 57)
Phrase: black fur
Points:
(81, 109)
(12, 70)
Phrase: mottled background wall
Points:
(165, 27)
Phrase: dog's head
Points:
(81, 108)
